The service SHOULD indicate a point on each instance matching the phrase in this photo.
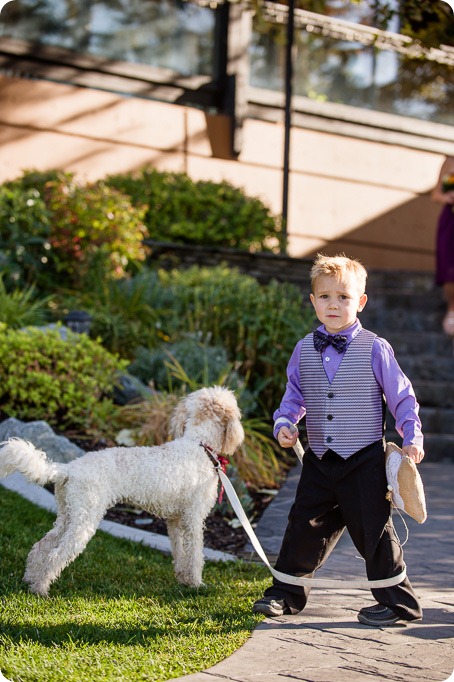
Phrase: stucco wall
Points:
(367, 198)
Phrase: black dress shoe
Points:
(271, 607)
(378, 615)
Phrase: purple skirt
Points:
(445, 246)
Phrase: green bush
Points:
(125, 312)
(94, 228)
(61, 381)
(183, 211)
(258, 325)
(57, 233)
(24, 234)
(201, 362)
(19, 307)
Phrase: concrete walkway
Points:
(325, 642)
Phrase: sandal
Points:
(448, 323)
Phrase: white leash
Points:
(292, 579)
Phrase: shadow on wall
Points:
(402, 239)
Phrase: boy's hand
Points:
(286, 437)
(414, 452)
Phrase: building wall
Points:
(365, 197)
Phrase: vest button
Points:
(330, 394)
(329, 439)
(330, 417)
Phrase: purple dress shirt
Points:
(396, 387)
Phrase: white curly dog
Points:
(176, 481)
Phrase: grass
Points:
(116, 613)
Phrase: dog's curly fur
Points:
(176, 481)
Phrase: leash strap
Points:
(292, 579)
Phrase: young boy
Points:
(338, 377)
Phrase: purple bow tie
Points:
(338, 342)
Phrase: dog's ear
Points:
(233, 436)
(178, 419)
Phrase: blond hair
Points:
(339, 267)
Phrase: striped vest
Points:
(347, 414)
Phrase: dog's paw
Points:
(39, 590)
(189, 581)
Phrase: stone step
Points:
(419, 343)
(434, 393)
(403, 301)
(433, 419)
(381, 320)
(438, 447)
(400, 280)
(437, 420)
(429, 367)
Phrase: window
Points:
(161, 33)
(338, 62)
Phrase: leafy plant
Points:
(61, 381)
(258, 325)
(56, 232)
(95, 227)
(200, 361)
(24, 234)
(204, 212)
(124, 312)
(148, 420)
(19, 308)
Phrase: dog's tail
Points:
(20, 455)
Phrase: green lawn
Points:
(116, 613)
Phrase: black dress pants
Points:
(334, 493)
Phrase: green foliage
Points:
(24, 234)
(203, 363)
(94, 227)
(56, 233)
(53, 379)
(124, 312)
(427, 21)
(258, 325)
(181, 210)
(117, 612)
(201, 310)
(19, 308)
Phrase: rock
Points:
(57, 448)
(130, 389)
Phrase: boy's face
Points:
(337, 302)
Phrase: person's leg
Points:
(448, 294)
(367, 516)
(314, 526)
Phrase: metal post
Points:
(288, 114)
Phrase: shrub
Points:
(201, 362)
(24, 234)
(56, 232)
(203, 212)
(94, 227)
(124, 312)
(258, 325)
(53, 379)
(19, 308)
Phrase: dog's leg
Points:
(176, 543)
(188, 568)
(81, 522)
(37, 557)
